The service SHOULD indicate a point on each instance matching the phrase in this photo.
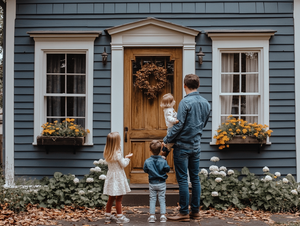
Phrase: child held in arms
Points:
(167, 103)
(157, 168)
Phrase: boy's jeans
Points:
(160, 190)
(187, 160)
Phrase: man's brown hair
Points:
(155, 147)
(192, 81)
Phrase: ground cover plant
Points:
(222, 188)
(59, 191)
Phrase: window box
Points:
(238, 139)
(69, 141)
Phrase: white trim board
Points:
(146, 33)
(297, 81)
(254, 41)
(9, 92)
(61, 43)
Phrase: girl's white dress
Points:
(116, 183)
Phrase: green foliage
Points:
(59, 191)
(270, 193)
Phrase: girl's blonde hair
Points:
(113, 142)
(167, 101)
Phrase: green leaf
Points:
(268, 197)
(245, 171)
(57, 175)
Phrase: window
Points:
(240, 76)
(240, 95)
(63, 78)
(66, 87)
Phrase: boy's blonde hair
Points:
(167, 101)
(155, 147)
(113, 142)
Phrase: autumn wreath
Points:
(142, 79)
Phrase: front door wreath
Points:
(143, 79)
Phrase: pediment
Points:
(152, 26)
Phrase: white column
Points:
(297, 81)
(9, 92)
(117, 90)
(188, 64)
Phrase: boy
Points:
(157, 168)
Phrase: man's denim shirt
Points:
(157, 168)
(193, 113)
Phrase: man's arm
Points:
(181, 116)
(207, 114)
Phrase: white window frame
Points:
(248, 41)
(77, 42)
(241, 93)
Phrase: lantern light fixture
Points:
(104, 56)
(200, 56)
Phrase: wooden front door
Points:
(144, 118)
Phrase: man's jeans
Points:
(160, 190)
(187, 160)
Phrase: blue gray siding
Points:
(201, 15)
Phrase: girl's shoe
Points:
(163, 218)
(108, 219)
(152, 219)
(122, 220)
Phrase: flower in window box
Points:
(239, 128)
(66, 128)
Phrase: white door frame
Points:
(150, 32)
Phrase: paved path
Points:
(140, 216)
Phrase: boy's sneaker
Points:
(163, 218)
(122, 220)
(152, 219)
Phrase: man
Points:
(193, 113)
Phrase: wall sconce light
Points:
(104, 56)
(200, 56)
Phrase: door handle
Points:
(126, 131)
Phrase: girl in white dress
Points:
(167, 103)
(116, 184)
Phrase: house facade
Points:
(55, 68)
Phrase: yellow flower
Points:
(233, 124)
(238, 130)
(55, 121)
(227, 145)
(231, 133)
(88, 131)
(255, 134)
(57, 128)
(219, 130)
(76, 130)
(244, 131)
(230, 129)
(72, 120)
(275, 177)
(226, 123)
(244, 137)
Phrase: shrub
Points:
(269, 193)
(59, 191)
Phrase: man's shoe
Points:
(180, 217)
(195, 215)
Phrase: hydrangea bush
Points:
(222, 189)
(60, 190)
